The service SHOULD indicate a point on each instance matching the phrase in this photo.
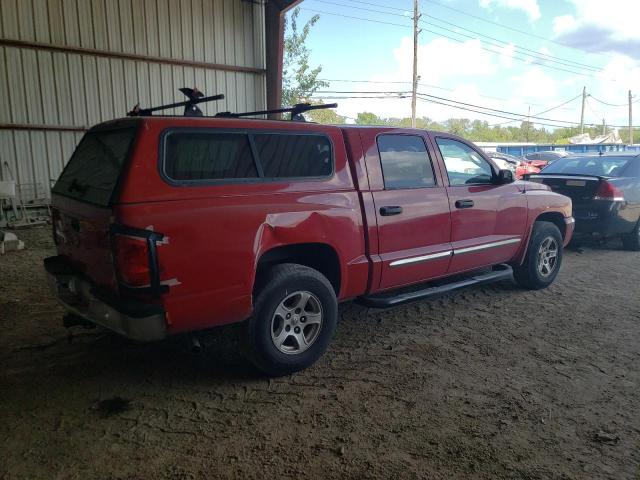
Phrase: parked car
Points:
(504, 160)
(542, 159)
(168, 225)
(605, 190)
(516, 164)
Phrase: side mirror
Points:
(504, 177)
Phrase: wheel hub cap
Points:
(296, 322)
(547, 256)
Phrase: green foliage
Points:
(368, 118)
(483, 131)
(299, 80)
(327, 116)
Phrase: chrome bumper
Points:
(75, 294)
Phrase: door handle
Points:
(464, 203)
(391, 210)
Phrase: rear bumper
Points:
(134, 320)
(605, 219)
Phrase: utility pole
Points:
(630, 121)
(604, 127)
(584, 99)
(528, 122)
(415, 63)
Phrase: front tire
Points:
(295, 316)
(631, 241)
(543, 259)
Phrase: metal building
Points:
(68, 64)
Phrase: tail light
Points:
(607, 191)
(132, 260)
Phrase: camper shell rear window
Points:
(93, 171)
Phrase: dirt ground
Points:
(493, 382)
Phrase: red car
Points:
(541, 159)
(167, 225)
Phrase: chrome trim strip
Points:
(421, 258)
(485, 246)
(542, 176)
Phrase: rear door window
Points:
(464, 165)
(293, 156)
(193, 156)
(405, 162)
(94, 168)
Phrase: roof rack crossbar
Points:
(296, 111)
(195, 97)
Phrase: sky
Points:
(509, 55)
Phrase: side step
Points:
(500, 272)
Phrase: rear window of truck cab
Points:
(405, 161)
(194, 156)
(92, 173)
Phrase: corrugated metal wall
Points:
(68, 64)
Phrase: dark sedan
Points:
(605, 190)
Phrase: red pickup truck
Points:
(166, 225)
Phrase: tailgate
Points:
(81, 233)
(580, 189)
(83, 197)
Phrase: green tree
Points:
(327, 116)
(299, 80)
(368, 118)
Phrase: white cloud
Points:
(534, 84)
(530, 7)
(601, 27)
(440, 62)
(506, 55)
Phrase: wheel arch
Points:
(319, 256)
(557, 218)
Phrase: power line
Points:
(424, 96)
(506, 27)
(552, 58)
(426, 85)
(597, 115)
(497, 115)
(525, 60)
(465, 106)
(519, 117)
(545, 111)
(534, 53)
(613, 104)
(545, 62)
(496, 110)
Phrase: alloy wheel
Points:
(547, 256)
(296, 322)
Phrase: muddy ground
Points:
(490, 383)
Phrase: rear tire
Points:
(543, 259)
(295, 316)
(631, 241)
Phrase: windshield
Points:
(598, 166)
(93, 170)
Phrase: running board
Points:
(500, 272)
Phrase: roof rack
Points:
(194, 95)
(296, 111)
